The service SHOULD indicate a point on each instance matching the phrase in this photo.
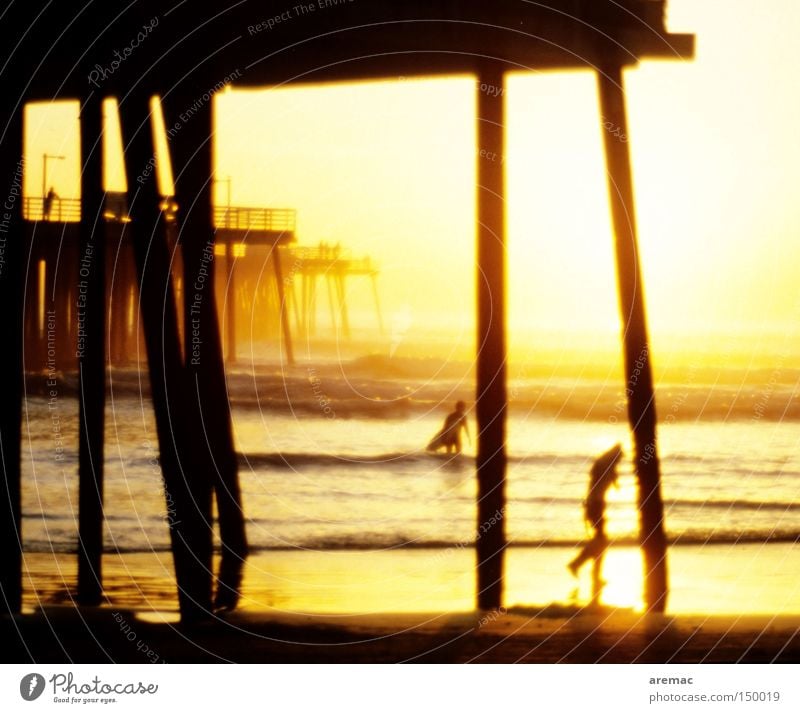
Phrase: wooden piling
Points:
(491, 398)
(11, 297)
(187, 489)
(230, 302)
(91, 314)
(295, 305)
(341, 290)
(283, 313)
(116, 326)
(305, 305)
(332, 304)
(312, 303)
(638, 375)
(207, 406)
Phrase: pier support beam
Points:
(230, 302)
(187, 488)
(91, 356)
(341, 290)
(283, 312)
(641, 399)
(207, 407)
(304, 307)
(332, 305)
(11, 297)
(491, 398)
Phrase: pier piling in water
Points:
(491, 397)
(641, 398)
(207, 409)
(283, 312)
(91, 354)
(187, 490)
(11, 297)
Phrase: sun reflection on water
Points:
(622, 571)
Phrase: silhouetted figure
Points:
(449, 437)
(603, 476)
(47, 205)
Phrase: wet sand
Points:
(517, 635)
(748, 579)
(728, 603)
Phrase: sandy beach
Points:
(728, 604)
(516, 635)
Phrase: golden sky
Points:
(389, 169)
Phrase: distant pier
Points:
(265, 280)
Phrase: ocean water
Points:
(333, 460)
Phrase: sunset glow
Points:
(397, 182)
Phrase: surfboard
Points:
(436, 443)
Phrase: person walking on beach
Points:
(449, 437)
(602, 476)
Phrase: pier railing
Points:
(275, 220)
(52, 210)
(324, 258)
(68, 210)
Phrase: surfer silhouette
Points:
(602, 476)
(449, 437)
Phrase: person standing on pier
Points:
(47, 204)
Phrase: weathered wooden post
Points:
(11, 292)
(341, 290)
(91, 317)
(639, 380)
(187, 489)
(230, 301)
(491, 358)
(207, 407)
(283, 312)
(332, 303)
